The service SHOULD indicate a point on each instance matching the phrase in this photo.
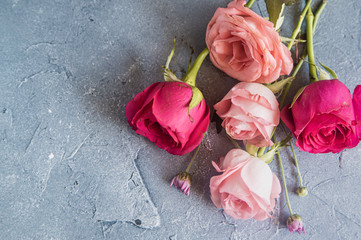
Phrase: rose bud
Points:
(302, 191)
(249, 112)
(322, 118)
(247, 188)
(245, 46)
(182, 182)
(294, 223)
(356, 100)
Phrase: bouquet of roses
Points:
(323, 116)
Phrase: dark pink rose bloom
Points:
(357, 108)
(322, 119)
(161, 114)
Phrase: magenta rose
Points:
(322, 119)
(245, 46)
(249, 112)
(247, 188)
(161, 113)
(356, 100)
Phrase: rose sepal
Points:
(278, 86)
(189, 78)
(297, 95)
(328, 72)
(268, 157)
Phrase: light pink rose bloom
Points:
(245, 45)
(249, 112)
(247, 188)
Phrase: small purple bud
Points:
(183, 182)
(294, 223)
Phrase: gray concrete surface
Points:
(71, 167)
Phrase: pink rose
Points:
(249, 112)
(245, 45)
(160, 113)
(322, 119)
(247, 188)
(356, 101)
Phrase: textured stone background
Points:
(71, 167)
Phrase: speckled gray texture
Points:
(71, 167)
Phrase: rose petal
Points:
(140, 100)
(257, 175)
(287, 118)
(237, 208)
(233, 158)
(170, 108)
(356, 101)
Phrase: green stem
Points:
(252, 149)
(295, 158)
(190, 78)
(304, 55)
(318, 14)
(193, 158)
(170, 55)
(294, 73)
(299, 24)
(190, 60)
(284, 181)
(296, 163)
(286, 39)
(268, 157)
(261, 151)
(249, 3)
(311, 57)
(273, 132)
(234, 142)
